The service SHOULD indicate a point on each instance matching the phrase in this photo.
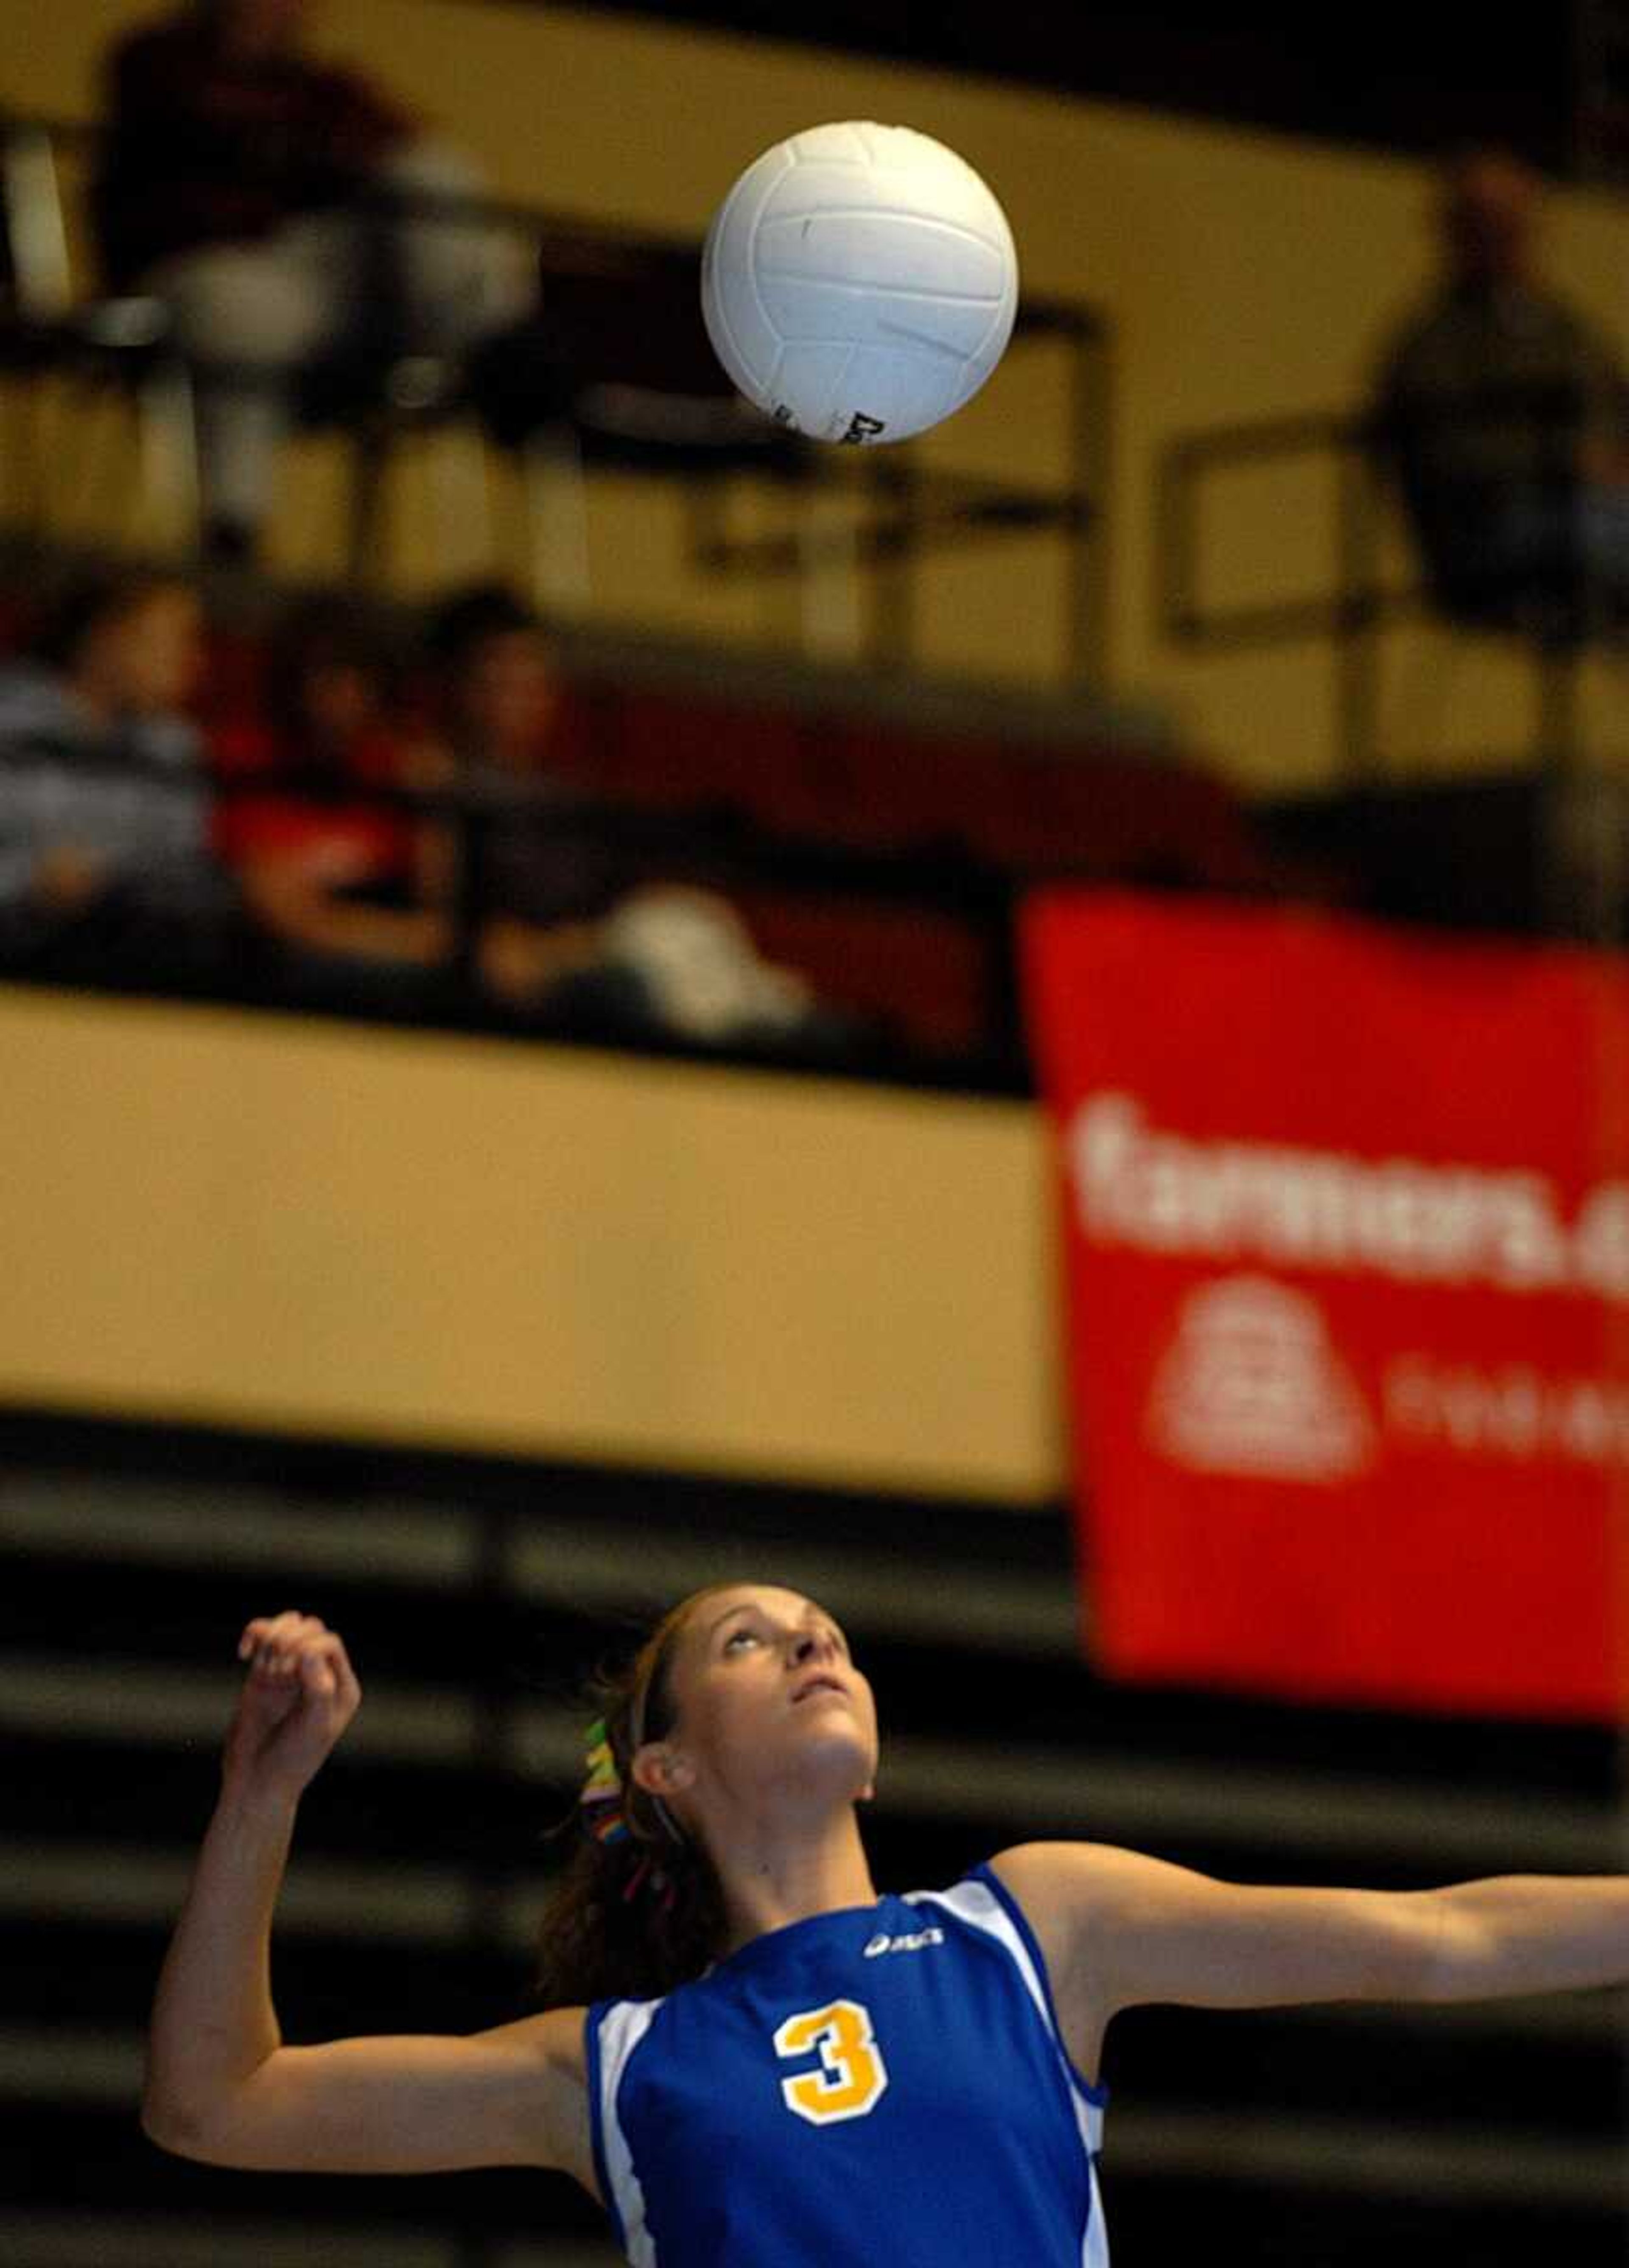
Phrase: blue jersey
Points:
(885, 2087)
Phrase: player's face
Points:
(768, 1702)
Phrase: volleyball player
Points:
(752, 2059)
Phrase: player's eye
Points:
(736, 1636)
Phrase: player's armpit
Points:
(515, 2095)
(1132, 1930)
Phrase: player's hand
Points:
(297, 1698)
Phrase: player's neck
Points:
(792, 1876)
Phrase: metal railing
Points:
(1346, 619)
(897, 509)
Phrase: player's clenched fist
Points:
(297, 1698)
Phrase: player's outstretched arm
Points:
(1121, 1929)
(221, 2087)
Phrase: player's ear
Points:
(662, 1770)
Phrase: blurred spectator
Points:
(235, 186)
(497, 704)
(331, 876)
(103, 806)
(1502, 412)
(564, 937)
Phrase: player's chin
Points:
(827, 1714)
(840, 1743)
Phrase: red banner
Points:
(1347, 1232)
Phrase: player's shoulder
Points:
(1042, 1872)
(1014, 1877)
(552, 2039)
(1014, 1896)
(1058, 1886)
(1029, 1865)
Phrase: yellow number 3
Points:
(851, 2074)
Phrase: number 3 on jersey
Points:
(851, 2074)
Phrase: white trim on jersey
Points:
(622, 2027)
(978, 1905)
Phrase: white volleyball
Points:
(859, 282)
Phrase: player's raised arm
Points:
(220, 2084)
(1119, 1929)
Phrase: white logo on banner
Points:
(1251, 1385)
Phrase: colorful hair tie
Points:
(605, 1814)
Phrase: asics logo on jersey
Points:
(883, 1943)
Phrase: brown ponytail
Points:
(630, 1918)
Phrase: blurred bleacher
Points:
(874, 834)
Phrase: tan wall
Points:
(214, 1217)
(1246, 276)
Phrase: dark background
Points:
(1390, 76)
